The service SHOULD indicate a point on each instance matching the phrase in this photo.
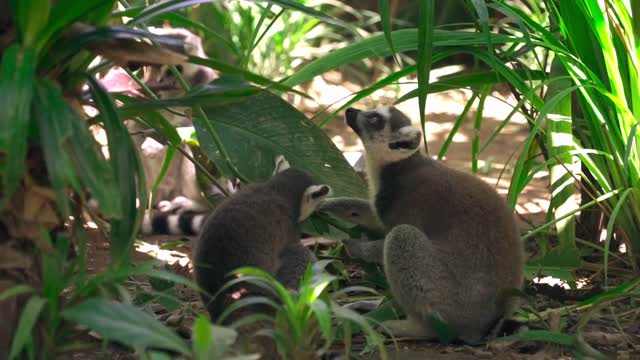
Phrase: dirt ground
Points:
(496, 166)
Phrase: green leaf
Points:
(214, 94)
(323, 315)
(426, 28)
(201, 335)
(128, 172)
(71, 152)
(559, 141)
(403, 40)
(471, 80)
(260, 127)
(17, 74)
(16, 291)
(24, 331)
(32, 16)
(66, 12)
(125, 323)
(247, 75)
(164, 7)
(385, 17)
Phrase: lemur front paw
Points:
(356, 248)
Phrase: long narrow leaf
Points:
(128, 173)
(24, 331)
(426, 28)
(125, 323)
(17, 74)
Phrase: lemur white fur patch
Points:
(281, 164)
(385, 111)
(378, 153)
(312, 197)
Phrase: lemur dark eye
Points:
(375, 119)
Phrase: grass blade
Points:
(128, 173)
(385, 16)
(426, 28)
(28, 319)
(17, 74)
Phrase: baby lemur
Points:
(259, 226)
(452, 245)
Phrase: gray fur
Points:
(355, 211)
(258, 226)
(452, 245)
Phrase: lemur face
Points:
(386, 133)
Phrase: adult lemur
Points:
(258, 226)
(452, 245)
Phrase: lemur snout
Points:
(351, 115)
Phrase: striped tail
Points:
(187, 223)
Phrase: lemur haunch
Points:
(452, 245)
(258, 226)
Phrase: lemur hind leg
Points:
(368, 250)
(414, 274)
(293, 263)
(408, 328)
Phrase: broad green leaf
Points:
(258, 128)
(17, 74)
(403, 40)
(559, 141)
(201, 335)
(211, 95)
(24, 331)
(128, 173)
(125, 323)
(323, 315)
(66, 12)
(71, 152)
(31, 16)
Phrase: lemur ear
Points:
(406, 138)
(312, 197)
(281, 164)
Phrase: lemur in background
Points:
(258, 226)
(452, 246)
(178, 206)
